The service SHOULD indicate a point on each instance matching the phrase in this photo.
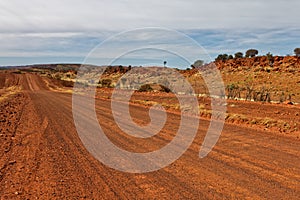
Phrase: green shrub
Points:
(238, 55)
(105, 83)
(145, 88)
(164, 89)
(251, 53)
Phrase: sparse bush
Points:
(238, 55)
(17, 72)
(164, 89)
(251, 53)
(67, 83)
(270, 59)
(263, 94)
(145, 88)
(249, 92)
(57, 76)
(233, 91)
(281, 97)
(289, 97)
(297, 51)
(121, 69)
(269, 56)
(222, 57)
(105, 83)
(197, 63)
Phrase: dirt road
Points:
(42, 156)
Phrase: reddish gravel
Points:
(42, 156)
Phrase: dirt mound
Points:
(9, 79)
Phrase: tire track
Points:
(244, 164)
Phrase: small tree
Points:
(238, 55)
(222, 57)
(121, 68)
(165, 62)
(230, 57)
(251, 53)
(297, 52)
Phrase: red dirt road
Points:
(42, 156)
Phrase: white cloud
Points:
(94, 15)
(74, 27)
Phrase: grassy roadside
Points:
(9, 92)
(265, 123)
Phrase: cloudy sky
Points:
(66, 31)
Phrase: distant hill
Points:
(262, 78)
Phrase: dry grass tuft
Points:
(8, 92)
